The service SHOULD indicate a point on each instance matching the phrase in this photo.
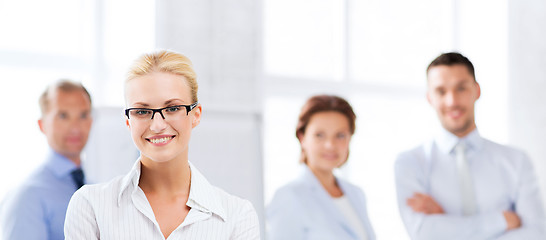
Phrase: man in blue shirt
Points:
(36, 210)
(460, 185)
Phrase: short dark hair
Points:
(62, 85)
(450, 59)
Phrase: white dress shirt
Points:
(503, 179)
(120, 210)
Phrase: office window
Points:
(43, 41)
(44, 27)
(397, 34)
(304, 39)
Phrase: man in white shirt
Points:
(460, 185)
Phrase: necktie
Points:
(465, 181)
(78, 177)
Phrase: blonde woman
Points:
(163, 196)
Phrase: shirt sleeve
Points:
(411, 178)
(22, 216)
(247, 226)
(80, 221)
(284, 218)
(528, 205)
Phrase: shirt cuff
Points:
(494, 223)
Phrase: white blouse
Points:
(119, 209)
(343, 204)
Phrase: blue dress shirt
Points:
(304, 210)
(503, 179)
(36, 210)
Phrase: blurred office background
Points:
(257, 62)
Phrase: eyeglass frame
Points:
(160, 110)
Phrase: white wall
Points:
(110, 151)
(222, 39)
(527, 81)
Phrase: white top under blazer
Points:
(303, 209)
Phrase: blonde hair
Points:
(167, 62)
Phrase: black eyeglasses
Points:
(149, 113)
